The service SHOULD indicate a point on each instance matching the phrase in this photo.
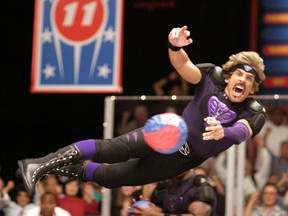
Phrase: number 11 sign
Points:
(77, 46)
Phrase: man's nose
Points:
(243, 78)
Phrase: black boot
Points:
(71, 171)
(33, 169)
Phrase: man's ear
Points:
(252, 91)
(226, 80)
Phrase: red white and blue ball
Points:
(166, 132)
(141, 203)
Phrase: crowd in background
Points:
(265, 185)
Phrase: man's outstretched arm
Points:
(239, 132)
(178, 37)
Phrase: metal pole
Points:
(108, 133)
(240, 177)
(229, 203)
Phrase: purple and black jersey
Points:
(215, 105)
(177, 197)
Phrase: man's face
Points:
(22, 198)
(270, 195)
(48, 203)
(51, 184)
(277, 117)
(239, 85)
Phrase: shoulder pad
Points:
(203, 66)
(258, 118)
(163, 184)
(216, 73)
(205, 191)
(217, 76)
(199, 180)
(255, 105)
(161, 187)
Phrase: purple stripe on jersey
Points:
(135, 136)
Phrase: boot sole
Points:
(29, 190)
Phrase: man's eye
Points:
(250, 78)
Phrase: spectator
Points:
(22, 204)
(254, 180)
(141, 116)
(275, 130)
(279, 169)
(4, 198)
(51, 184)
(172, 85)
(48, 207)
(183, 194)
(75, 205)
(124, 196)
(90, 191)
(268, 205)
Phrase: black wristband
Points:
(174, 48)
(166, 214)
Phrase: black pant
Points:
(132, 162)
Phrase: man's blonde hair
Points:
(250, 58)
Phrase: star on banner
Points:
(46, 35)
(109, 35)
(49, 71)
(103, 71)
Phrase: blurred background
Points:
(36, 124)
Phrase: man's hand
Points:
(178, 37)
(1, 187)
(254, 197)
(214, 128)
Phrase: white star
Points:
(46, 35)
(103, 71)
(109, 35)
(49, 71)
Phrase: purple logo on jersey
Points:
(173, 204)
(220, 111)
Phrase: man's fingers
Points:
(175, 33)
(214, 128)
(183, 29)
(212, 135)
(214, 132)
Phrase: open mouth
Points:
(238, 90)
